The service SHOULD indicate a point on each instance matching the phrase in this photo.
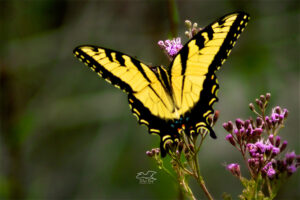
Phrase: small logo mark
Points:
(146, 177)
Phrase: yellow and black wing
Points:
(193, 81)
(148, 95)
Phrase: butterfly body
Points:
(181, 97)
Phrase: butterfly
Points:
(180, 97)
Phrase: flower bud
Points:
(277, 110)
(274, 117)
(239, 123)
(271, 139)
(280, 120)
(153, 151)
(161, 44)
(291, 169)
(277, 141)
(251, 121)
(269, 170)
(249, 131)
(283, 146)
(157, 151)
(149, 153)
(259, 121)
(251, 162)
(234, 168)
(247, 124)
(230, 139)
(238, 134)
(289, 157)
(188, 23)
(262, 98)
(269, 122)
(259, 103)
(286, 112)
(251, 106)
(187, 34)
(275, 151)
(228, 126)
(257, 131)
(268, 96)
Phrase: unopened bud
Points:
(251, 106)
(289, 157)
(188, 23)
(262, 98)
(230, 139)
(187, 34)
(286, 112)
(257, 131)
(268, 96)
(239, 123)
(259, 121)
(149, 153)
(228, 126)
(247, 123)
(271, 139)
(234, 168)
(277, 141)
(283, 146)
(278, 110)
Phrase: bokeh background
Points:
(67, 134)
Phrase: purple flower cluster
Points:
(262, 155)
(171, 47)
(234, 168)
(245, 131)
(277, 117)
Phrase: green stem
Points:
(200, 179)
(188, 189)
(182, 182)
(269, 188)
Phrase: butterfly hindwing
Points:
(192, 72)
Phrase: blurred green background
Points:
(66, 134)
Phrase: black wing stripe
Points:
(138, 65)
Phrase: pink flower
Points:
(171, 47)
